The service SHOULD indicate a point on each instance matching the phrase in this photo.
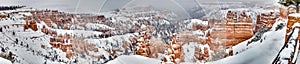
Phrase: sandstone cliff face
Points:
(293, 19)
(236, 28)
(174, 51)
(231, 34)
(64, 43)
(30, 24)
(266, 20)
(2, 16)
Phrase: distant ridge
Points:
(11, 7)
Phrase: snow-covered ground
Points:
(263, 52)
(5, 61)
(27, 45)
(134, 59)
(33, 47)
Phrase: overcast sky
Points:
(93, 6)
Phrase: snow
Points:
(263, 53)
(296, 54)
(25, 49)
(97, 26)
(197, 22)
(199, 32)
(168, 58)
(260, 52)
(4, 61)
(290, 50)
(25, 13)
(165, 22)
(143, 26)
(295, 15)
(296, 25)
(189, 51)
(134, 59)
(298, 58)
(285, 53)
(243, 45)
(34, 54)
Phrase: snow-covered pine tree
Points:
(291, 2)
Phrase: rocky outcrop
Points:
(173, 51)
(266, 20)
(30, 24)
(236, 28)
(142, 45)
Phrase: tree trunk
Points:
(297, 8)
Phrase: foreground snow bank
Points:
(263, 53)
(4, 61)
(134, 59)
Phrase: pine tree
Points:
(3, 50)
(1, 29)
(290, 2)
(14, 33)
(17, 41)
